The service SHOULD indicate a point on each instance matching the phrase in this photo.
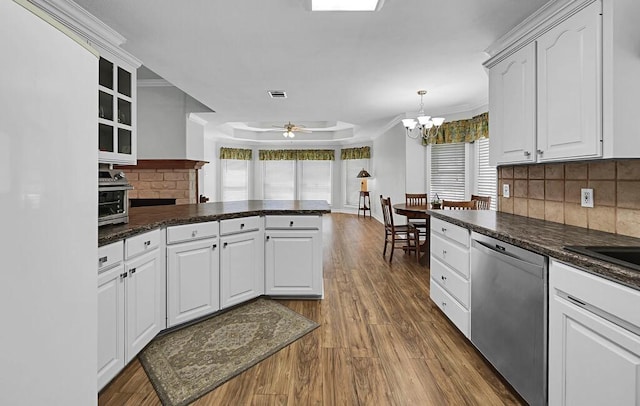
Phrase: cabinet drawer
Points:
(141, 243)
(451, 281)
(450, 253)
(450, 307)
(233, 226)
(451, 231)
(191, 232)
(290, 222)
(110, 255)
(611, 297)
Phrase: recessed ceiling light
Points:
(346, 5)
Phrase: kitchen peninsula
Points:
(176, 264)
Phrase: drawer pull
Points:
(291, 224)
(214, 246)
(527, 153)
(444, 230)
(444, 278)
(224, 245)
(241, 226)
(123, 275)
(444, 304)
(268, 237)
(194, 233)
(132, 271)
(540, 152)
(147, 243)
(102, 260)
(444, 252)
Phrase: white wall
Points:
(415, 166)
(163, 121)
(48, 236)
(388, 169)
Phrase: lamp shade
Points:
(363, 174)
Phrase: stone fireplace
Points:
(164, 179)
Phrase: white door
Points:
(193, 280)
(569, 87)
(591, 360)
(110, 324)
(241, 268)
(143, 301)
(293, 263)
(512, 98)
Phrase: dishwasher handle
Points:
(500, 253)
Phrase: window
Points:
(291, 180)
(486, 175)
(234, 179)
(351, 169)
(315, 180)
(448, 171)
(279, 180)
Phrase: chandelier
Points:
(423, 125)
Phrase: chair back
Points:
(455, 205)
(386, 211)
(415, 199)
(482, 202)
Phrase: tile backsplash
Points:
(552, 192)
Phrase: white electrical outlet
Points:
(505, 190)
(587, 197)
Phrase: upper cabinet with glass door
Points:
(116, 111)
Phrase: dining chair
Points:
(459, 205)
(482, 202)
(403, 237)
(418, 199)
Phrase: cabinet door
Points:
(293, 263)
(569, 87)
(512, 97)
(591, 360)
(193, 280)
(241, 268)
(143, 301)
(110, 324)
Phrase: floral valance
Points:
(469, 130)
(235, 153)
(355, 153)
(296, 154)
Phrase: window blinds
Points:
(485, 173)
(448, 171)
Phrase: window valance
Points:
(235, 153)
(468, 130)
(296, 154)
(355, 153)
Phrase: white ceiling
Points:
(359, 69)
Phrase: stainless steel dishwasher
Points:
(509, 302)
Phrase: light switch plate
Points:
(586, 199)
(505, 190)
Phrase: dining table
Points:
(412, 212)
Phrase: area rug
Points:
(188, 363)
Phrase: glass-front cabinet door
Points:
(116, 112)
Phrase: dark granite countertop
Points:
(143, 219)
(547, 238)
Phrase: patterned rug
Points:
(186, 364)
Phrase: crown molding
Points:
(87, 26)
(546, 17)
(196, 119)
(153, 83)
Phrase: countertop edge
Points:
(612, 272)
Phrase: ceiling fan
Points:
(289, 129)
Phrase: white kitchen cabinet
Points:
(450, 287)
(594, 339)
(241, 260)
(569, 78)
(110, 312)
(545, 88)
(193, 272)
(293, 256)
(512, 105)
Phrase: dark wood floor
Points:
(381, 341)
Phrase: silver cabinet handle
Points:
(444, 230)
(268, 237)
(225, 245)
(540, 152)
(214, 246)
(444, 304)
(241, 226)
(291, 224)
(444, 278)
(132, 271)
(102, 260)
(194, 233)
(444, 252)
(123, 275)
(527, 153)
(147, 243)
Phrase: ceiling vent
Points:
(277, 94)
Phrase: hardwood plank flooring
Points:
(381, 341)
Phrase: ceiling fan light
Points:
(409, 123)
